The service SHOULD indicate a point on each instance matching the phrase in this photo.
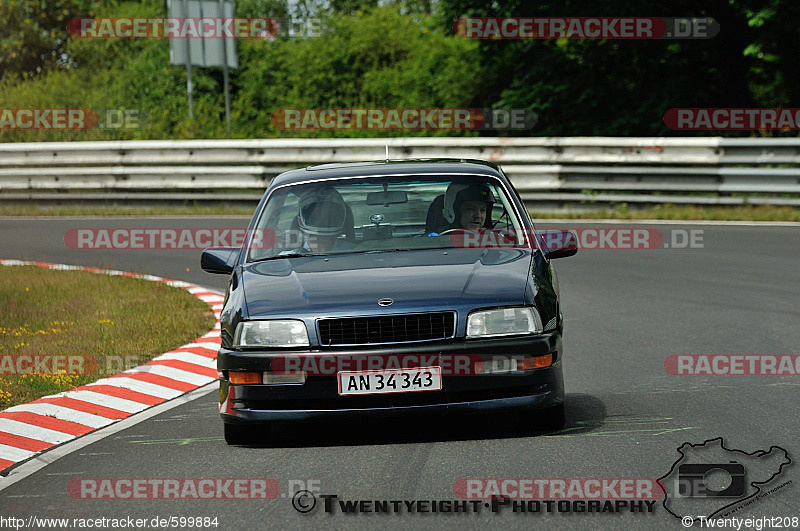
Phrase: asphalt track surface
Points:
(625, 312)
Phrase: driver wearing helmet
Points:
(466, 206)
(321, 216)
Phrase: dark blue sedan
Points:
(390, 288)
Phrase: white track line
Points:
(210, 346)
(98, 398)
(30, 431)
(142, 387)
(767, 224)
(188, 357)
(12, 453)
(173, 373)
(178, 284)
(211, 298)
(41, 460)
(64, 413)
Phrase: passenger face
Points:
(472, 214)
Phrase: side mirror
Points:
(219, 260)
(558, 243)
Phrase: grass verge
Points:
(667, 212)
(62, 329)
(111, 210)
(745, 213)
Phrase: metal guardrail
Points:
(546, 171)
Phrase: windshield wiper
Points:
(290, 255)
(385, 250)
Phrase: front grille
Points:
(387, 329)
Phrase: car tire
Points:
(540, 420)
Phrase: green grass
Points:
(112, 210)
(674, 212)
(111, 323)
(667, 212)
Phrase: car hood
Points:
(418, 280)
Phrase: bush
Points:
(374, 59)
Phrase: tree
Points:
(624, 87)
(379, 59)
(33, 35)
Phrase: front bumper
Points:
(318, 396)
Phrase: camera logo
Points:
(694, 479)
(709, 478)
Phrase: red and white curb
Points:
(28, 429)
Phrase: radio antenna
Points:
(387, 151)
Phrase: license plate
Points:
(390, 381)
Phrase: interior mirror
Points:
(387, 198)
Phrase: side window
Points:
(278, 218)
(500, 217)
(287, 213)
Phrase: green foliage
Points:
(621, 87)
(33, 34)
(380, 59)
(351, 54)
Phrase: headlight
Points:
(504, 322)
(286, 333)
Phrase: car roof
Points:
(390, 167)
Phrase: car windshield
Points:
(380, 214)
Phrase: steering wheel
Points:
(453, 230)
(492, 238)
